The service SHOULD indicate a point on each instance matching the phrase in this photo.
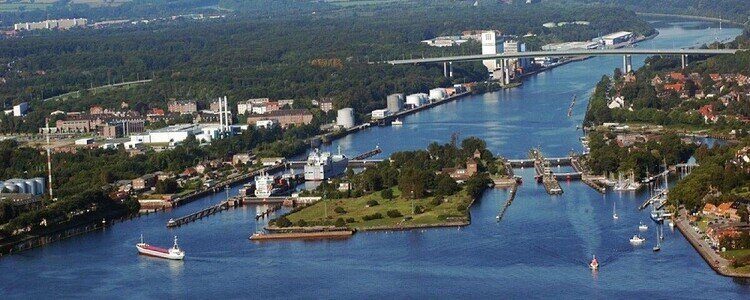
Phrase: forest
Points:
(244, 56)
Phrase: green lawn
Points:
(356, 208)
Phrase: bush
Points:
(339, 210)
(437, 200)
(350, 220)
(372, 203)
(394, 214)
(374, 216)
(461, 207)
(340, 222)
(301, 223)
(283, 222)
(386, 194)
(418, 209)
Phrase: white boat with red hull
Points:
(174, 253)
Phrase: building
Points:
(182, 107)
(285, 117)
(395, 103)
(51, 24)
(85, 141)
(616, 38)
(492, 43)
(463, 174)
(33, 186)
(272, 161)
(326, 105)
(345, 118)
(168, 135)
(513, 47)
(21, 109)
(272, 106)
(144, 182)
(244, 158)
(244, 107)
(380, 114)
(267, 124)
(259, 109)
(112, 130)
(286, 102)
(438, 94)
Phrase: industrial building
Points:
(33, 186)
(182, 107)
(168, 135)
(492, 43)
(395, 103)
(284, 117)
(512, 47)
(570, 46)
(21, 109)
(416, 100)
(345, 118)
(380, 114)
(613, 39)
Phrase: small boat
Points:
(642, 227)
(174, 253)
(397, 122)
(637, 240)
(658, 241)
(614, 211)
(594, 265)
(671, 225)
(171, 223)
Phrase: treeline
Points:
(418, 173)
(246, 56)
(642, 158)
(735, 10)
(716, 173)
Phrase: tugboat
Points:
(174, 253)
(594, 265)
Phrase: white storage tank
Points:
(345, 117)
(418, 99)
(395, 103)
(438, 94)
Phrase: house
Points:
(677, 76)
(728, 210)
(709, 209)
(326, 105)
(144, 182)
(677, 87)
(627, 140)
(657, 81)
(463, 174)
(201, 168)
(182, 107)
(243, 158)
(189, 172)
(272, 161)
(707, 111)
(617, 102)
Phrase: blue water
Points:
(539, 250)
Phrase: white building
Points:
(86, 141)
(491, 44)
(260, 109)
(617, 38)
(243, 107)
(345, 118)
(20, 110)
(380, 114)
(266, 124)
(169, 135)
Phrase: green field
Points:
(738, 255)
(356, 208)
(14, 7)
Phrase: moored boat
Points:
(637, 240)
(174, 253)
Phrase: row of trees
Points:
(643, 158)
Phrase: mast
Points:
(49, 160)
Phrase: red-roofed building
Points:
(156, 112)
(707, 111)
(677, 87)
(677, 76)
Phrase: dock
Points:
(267, 212)
(338, 234)
(508, 202)
(199, 215)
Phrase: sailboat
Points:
(658, 241)
(614, 211)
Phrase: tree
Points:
(167, 186)
(445, 185)
(340, 222)
(386, 194)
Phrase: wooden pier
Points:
(267, 212)
(511, 196)
(199, 214)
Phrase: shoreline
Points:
(712, 259)
(689, 17)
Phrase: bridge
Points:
(625, 52)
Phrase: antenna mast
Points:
(49, 160)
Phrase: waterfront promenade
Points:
(713, 259)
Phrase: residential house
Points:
(144, 182)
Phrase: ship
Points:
(397, 122)
(174, 253)
(264, 186)
(323, 165)
(594, 265)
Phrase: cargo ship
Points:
(266, 185)
(174, 253)
(323, 165)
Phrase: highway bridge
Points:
(504, 57)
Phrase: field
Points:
(738, 255)
(445, 213)
(26, 5)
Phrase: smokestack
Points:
(49, 161)
(226, 111)
(221, 118)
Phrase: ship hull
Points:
(159, 254)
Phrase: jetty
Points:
(508, 202)
(199, 214)
(337, 234)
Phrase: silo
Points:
(437, 94)
(414, 100)
(345, 118)
(31, 187)
(395, 103)
(39, 182)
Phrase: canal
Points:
(540, 249)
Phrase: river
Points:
(540, 249)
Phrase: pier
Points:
(511, 196)
(198, 215)
(267, 212)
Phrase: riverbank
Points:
(719, 264)
(689, 17)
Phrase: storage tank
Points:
(438, 94)
(39, 183)
(417, 99)
(345, 117)
(31, 187)
(395, 103)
